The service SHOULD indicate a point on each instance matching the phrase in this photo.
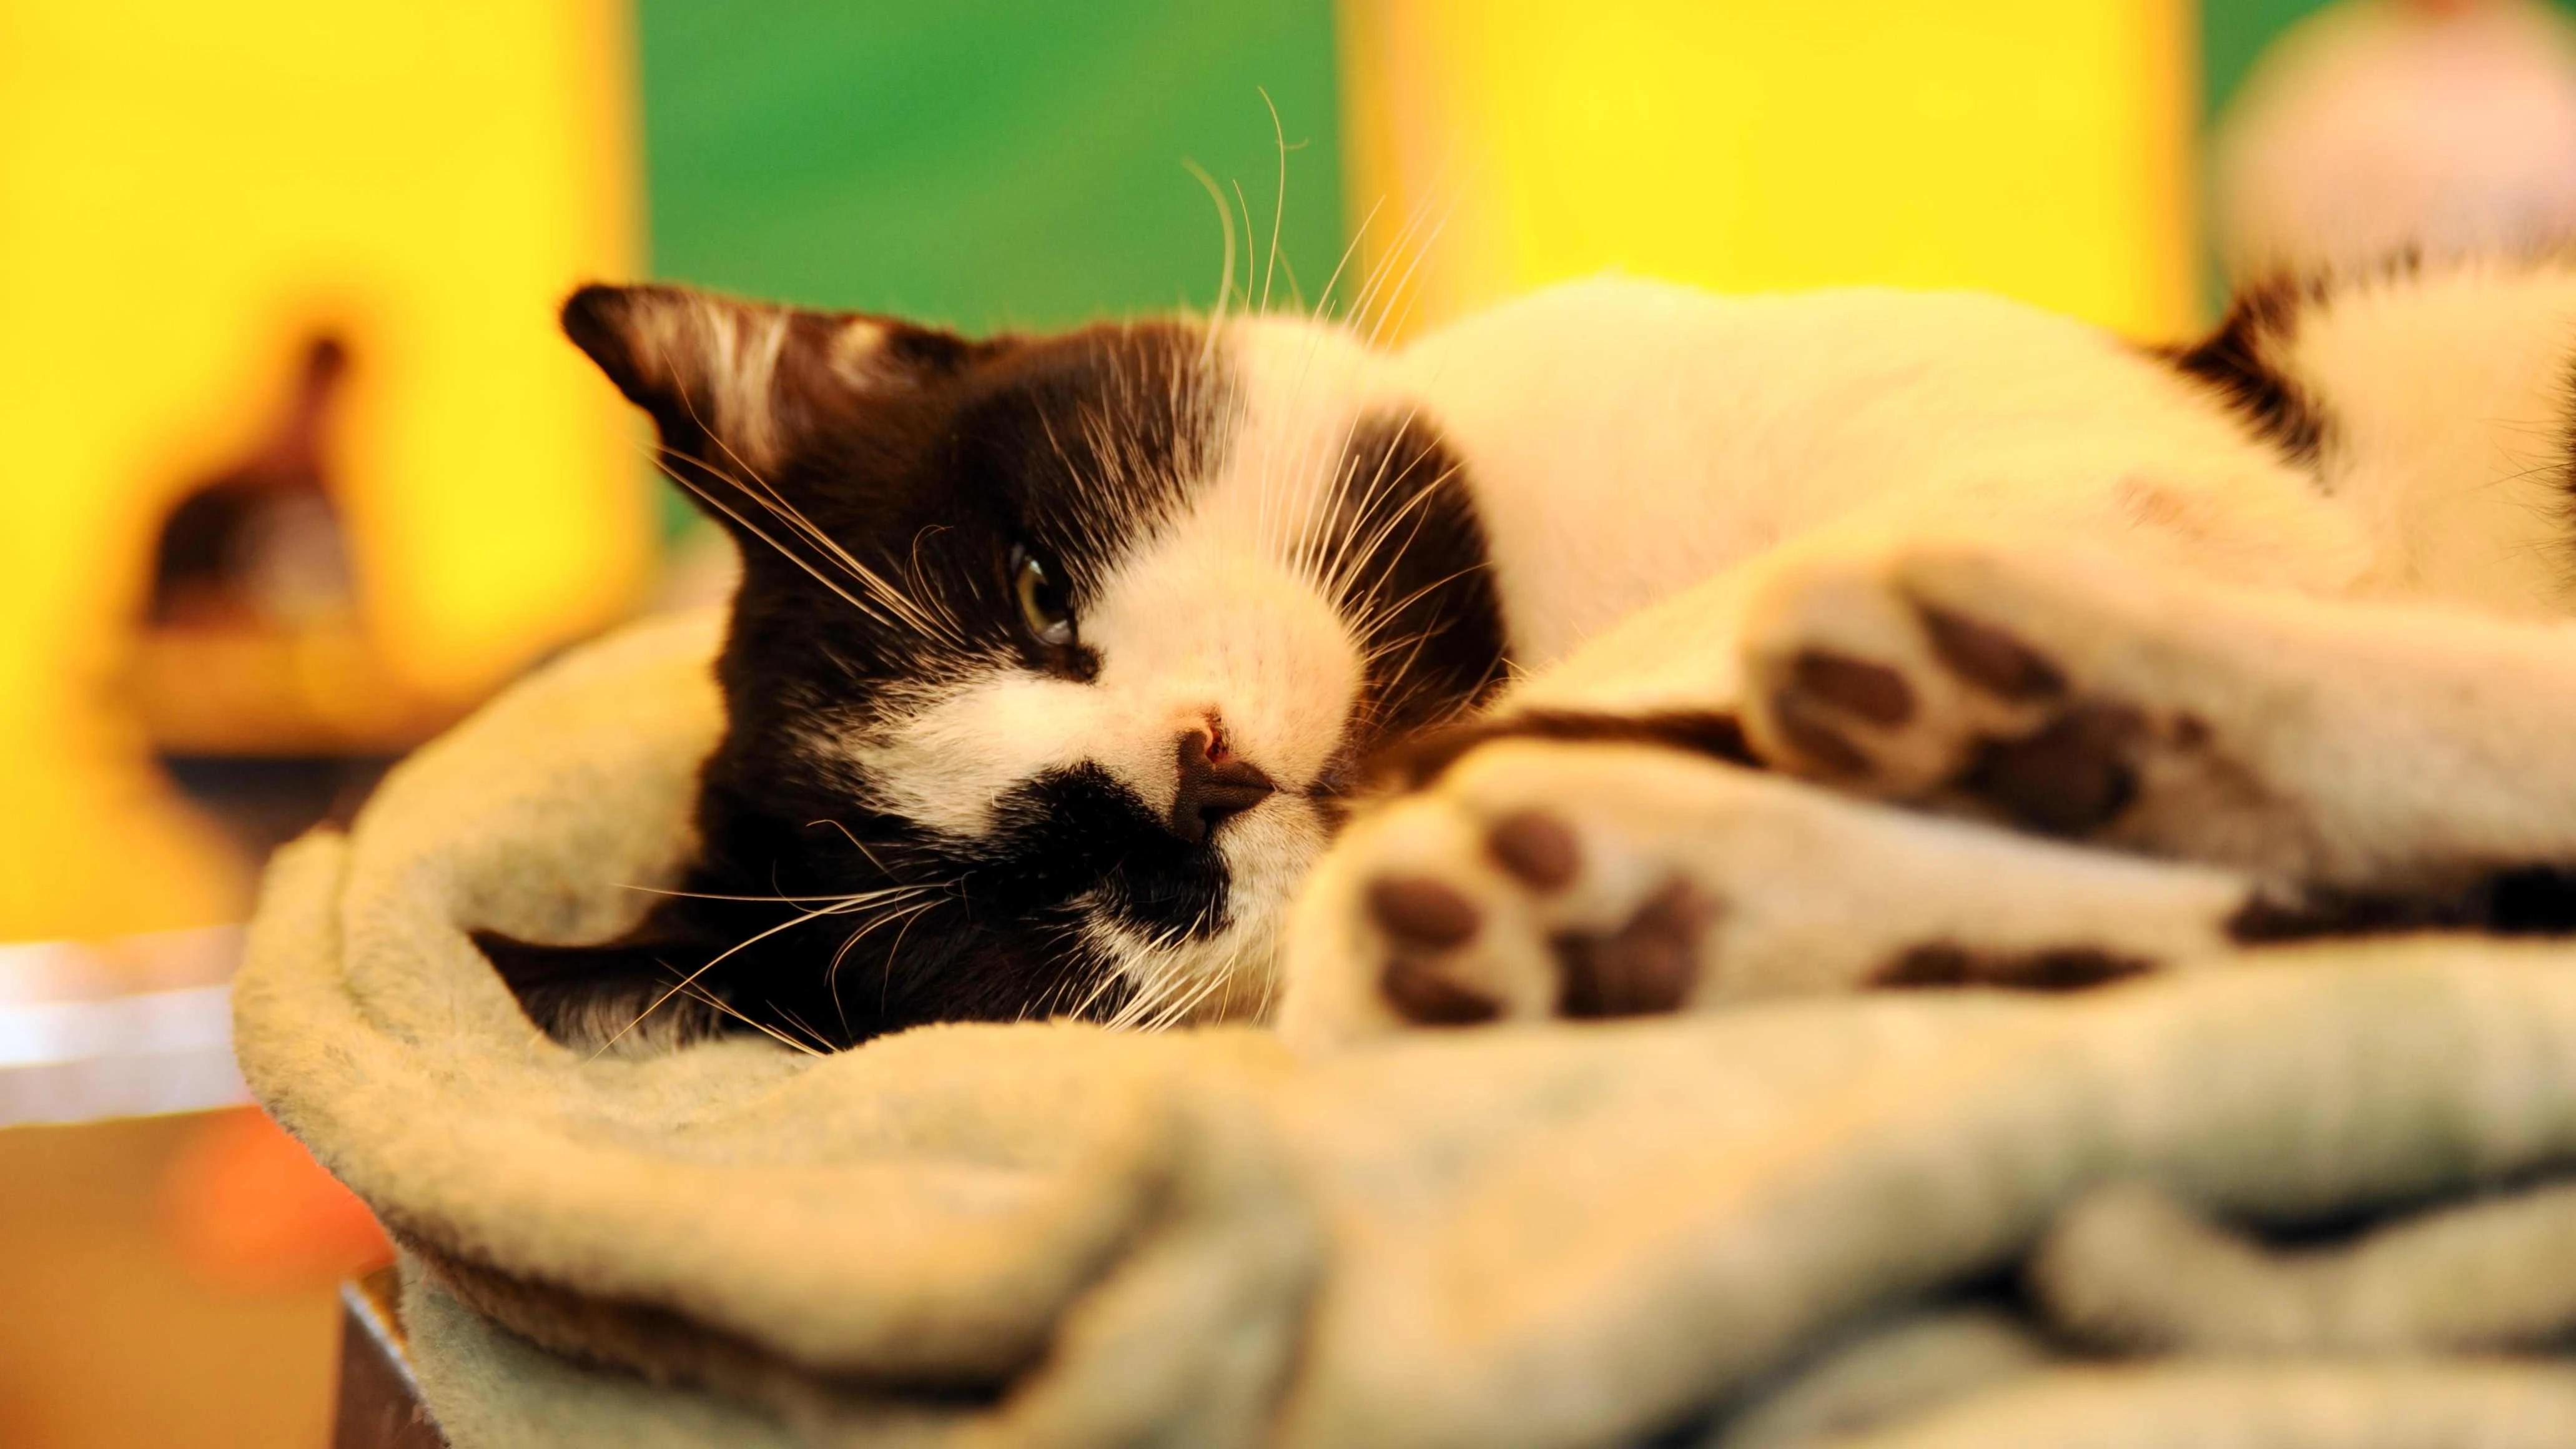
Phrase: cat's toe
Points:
(1536, 848)
(1423, 991)
(1508, 890)
(1604, 957)
(1419, 918)
(1862, 672)
(1963, 677)
(1422, 922)
(1990, 657)
(1646, 965)
(1418, 912)
(1844, 683)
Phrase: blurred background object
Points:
(202, 194)
(2025, 146)
(2385, 124)
(302, 471)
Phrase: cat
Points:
(1624, 649)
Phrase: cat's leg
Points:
(2363, 746)
(1535, 878)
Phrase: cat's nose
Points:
(1214, 783)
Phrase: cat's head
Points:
(1051, 662)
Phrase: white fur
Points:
(2451, 393)
(1631, 439)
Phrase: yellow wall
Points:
(185, 191)
(2033, 147)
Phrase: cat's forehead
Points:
(1116, 419)
(1173, 392)
(1096, 438)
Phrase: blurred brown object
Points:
(253, 642)
(379, 1402)
(108, 1339)
(320, 690)
(260, 544)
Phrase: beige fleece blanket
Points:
(1930, 1220)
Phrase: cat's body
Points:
(1055, 661)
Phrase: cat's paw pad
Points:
(1514, 889)
(1644, 965)
(1957, 674)
(1422, 920)
(1638, 962)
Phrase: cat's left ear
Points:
(736, 385)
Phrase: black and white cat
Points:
(1056, 662)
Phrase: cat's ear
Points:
(737, 387)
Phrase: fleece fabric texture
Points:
(2308, 1200)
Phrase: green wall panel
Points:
(2232, 34)
(985, 163)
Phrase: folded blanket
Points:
(2302, 1201)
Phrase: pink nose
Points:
(1214, 783)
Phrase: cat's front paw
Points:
(1539, 880)
(1522, 885)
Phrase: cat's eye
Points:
(1044, 608)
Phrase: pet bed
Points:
(2306, 1201)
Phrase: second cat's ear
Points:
(738, 386)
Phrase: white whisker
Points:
(692, 978)
(1278, 208)
(1225, 282)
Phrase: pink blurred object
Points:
(2374, 126)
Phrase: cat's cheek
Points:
(1277, 844)
(1268, 855)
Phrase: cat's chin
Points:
(1168, 982)
(1231, 973)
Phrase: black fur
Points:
(1417, 762)
(2240, 361)
(2530, 900)
(2055, 968)
(1420, 579)
(2236, 361)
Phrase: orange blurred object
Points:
(248, 1208)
